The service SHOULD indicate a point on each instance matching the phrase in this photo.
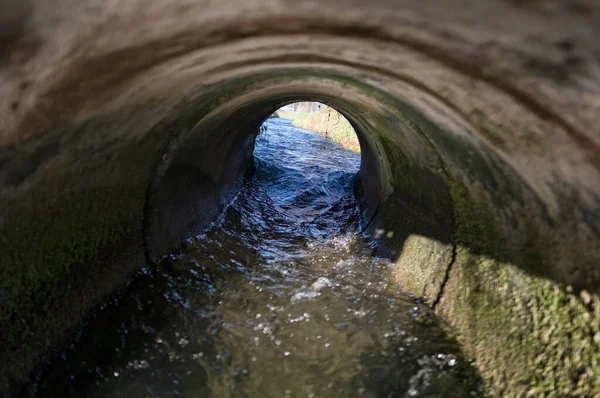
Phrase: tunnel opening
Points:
(204, 180)
(280, 295)
(306, 171)
(207, 165)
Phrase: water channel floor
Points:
(282, 297)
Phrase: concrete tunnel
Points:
(127, 127)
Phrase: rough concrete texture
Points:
(127, 126)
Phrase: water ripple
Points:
(281, 298)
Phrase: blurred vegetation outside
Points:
(326, 121)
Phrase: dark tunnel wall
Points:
(126, 129)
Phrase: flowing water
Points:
(282, 297)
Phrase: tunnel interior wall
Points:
(505, 257)
(479, 177)
(210, 161)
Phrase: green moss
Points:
(529, 334)
(52, 254)
(403, 175)
(565, 331)
(475, 222)
(60, 241)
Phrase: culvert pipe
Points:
(127, 128)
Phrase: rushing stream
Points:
(282, 297)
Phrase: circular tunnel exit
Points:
(306, 171)
(292, 221)
(206, 164)
(280, 294)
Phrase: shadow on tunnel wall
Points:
(472, 197)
